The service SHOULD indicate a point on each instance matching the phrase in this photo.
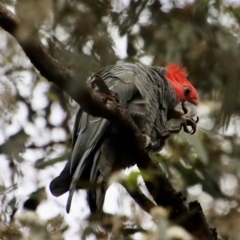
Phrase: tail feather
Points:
(69, 201)
(100, 172)
(60, 185)
(96, 198)
(81, 173)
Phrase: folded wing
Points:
(138, 92)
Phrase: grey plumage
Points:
(98, 147)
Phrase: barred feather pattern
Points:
(98, 147)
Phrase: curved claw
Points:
(187, 121)
(197, 120)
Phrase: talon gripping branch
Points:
(152, 95)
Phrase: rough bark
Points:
(106, 106)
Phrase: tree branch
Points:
(139, 197)
(105, 106)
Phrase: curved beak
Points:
(184, 109)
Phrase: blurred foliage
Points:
(36, 117)
(30, 226)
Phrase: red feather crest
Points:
(177, 76)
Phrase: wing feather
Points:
(140, 89)
(91, 129)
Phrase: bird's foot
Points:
(148, 141)
(184, 123)
(187, 121)
(155, 145)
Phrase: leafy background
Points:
(36, 117)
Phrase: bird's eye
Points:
(187, 91)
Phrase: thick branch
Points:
(92, 102)
(139, 197)
(102, 105)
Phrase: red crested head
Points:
(185, 91)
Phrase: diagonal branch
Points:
(105, 106)
(94, 103)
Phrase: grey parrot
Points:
(152, 96)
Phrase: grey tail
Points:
(61, 184)
(69, 201)
(96, 195)
(96, 199)
(84, 174)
